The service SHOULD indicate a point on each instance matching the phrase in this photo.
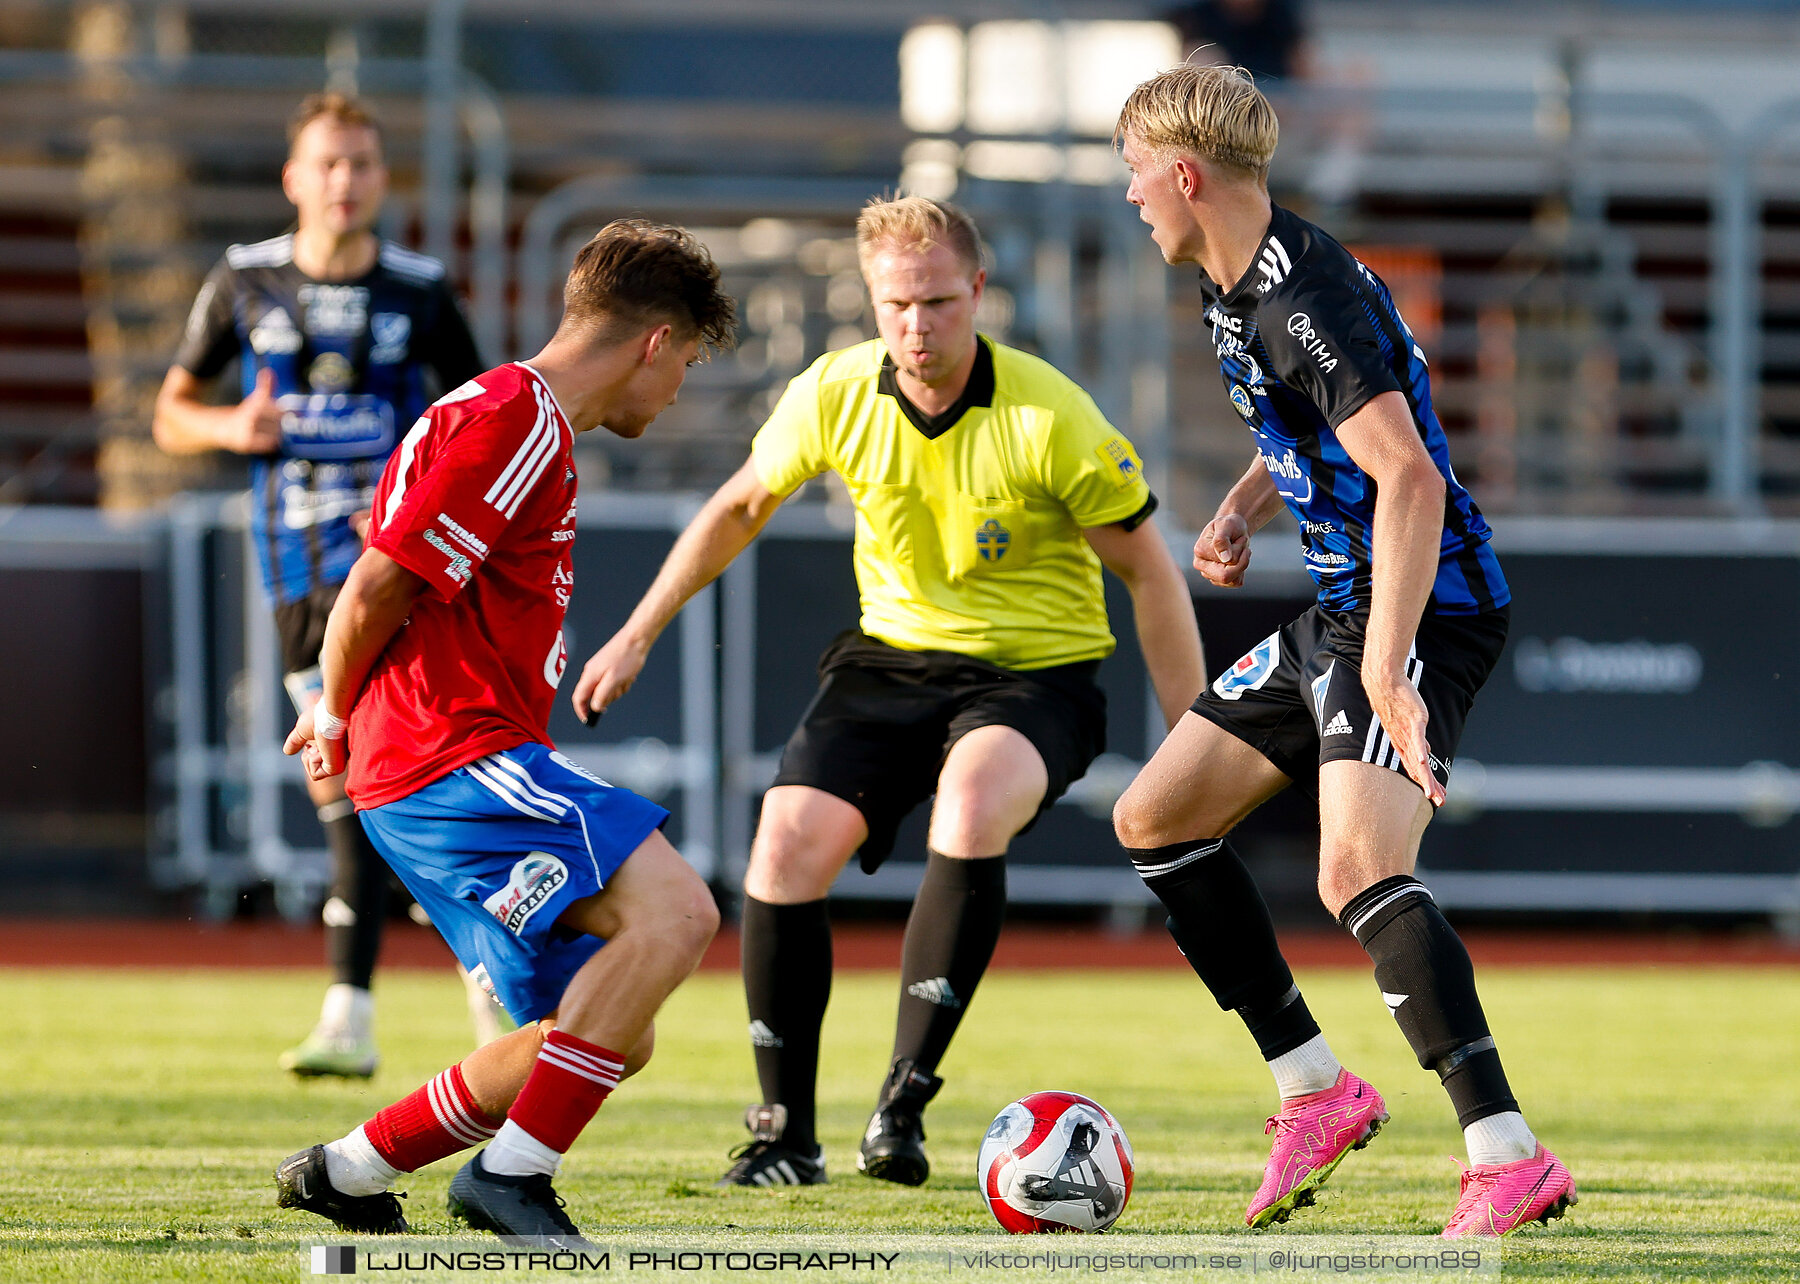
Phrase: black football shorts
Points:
(1297, 698)
(300, 625)
(883, 721)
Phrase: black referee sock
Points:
(787, 983)
(1428, 984)
(353, 916)
(950, 938)
(1221, 923)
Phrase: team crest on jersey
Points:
(1251, 672)
(1118, 455)
(532, 882)
(1240, 398)
(390, 331)
(331, 372)
(992, 540)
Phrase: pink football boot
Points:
(1497, 1199)
(1312, 1135)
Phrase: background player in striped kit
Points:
(335, 331)
(445, 648)
(1362, 699)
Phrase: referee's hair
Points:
(339, 108)
(1213, 112)
(635, 274)
(916, 223)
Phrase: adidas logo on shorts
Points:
(1339, 725)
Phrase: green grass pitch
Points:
(141, 1114)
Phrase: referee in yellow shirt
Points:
(989, 491)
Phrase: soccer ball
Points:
(1055, 1161)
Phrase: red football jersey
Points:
(479, 500)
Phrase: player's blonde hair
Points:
(916, 223)
(1215, 113)
(341, 109)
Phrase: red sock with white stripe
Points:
(439, 1119)
(567, 1084)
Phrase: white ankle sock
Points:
(516, 1153)
(1311, 1067)
(355, 1167)
(1499, 1139)
(347, 1012)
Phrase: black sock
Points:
(787, 983)
(359, 887)
(950, 937)
(1428, 984)
(1221, 923)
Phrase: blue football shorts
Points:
(495, 851)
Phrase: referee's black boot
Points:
(767, 1160)
(893, 1145)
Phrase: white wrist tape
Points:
(326, 724)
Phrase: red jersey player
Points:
(443, 653)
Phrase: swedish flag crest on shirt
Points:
(968, 536)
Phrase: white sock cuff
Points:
(1309, 1068)
(1500, 1139)
(355, 1167)
(348, 1008)
(516, 1153)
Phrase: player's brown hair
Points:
(1215, 113)
(916, 223)
(634, 274)
(340, 108)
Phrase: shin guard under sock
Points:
(787, 984)
(1221, 923)
(950, 938)
(1428, 983)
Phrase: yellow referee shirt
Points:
(968, 528)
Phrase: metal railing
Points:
(221, 713)
(226, 772)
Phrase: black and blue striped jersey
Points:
(349, 360)
(1305, 339)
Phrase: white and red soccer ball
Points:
(1055, 1161)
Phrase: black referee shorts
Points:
(879, 729)
(1297, 698)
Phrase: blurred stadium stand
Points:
(1589, 212)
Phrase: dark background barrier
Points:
(1678, 670)
(1634, 749)
(73, 753)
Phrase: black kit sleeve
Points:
(1325, 346)
(210, 340)
(449, 347)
